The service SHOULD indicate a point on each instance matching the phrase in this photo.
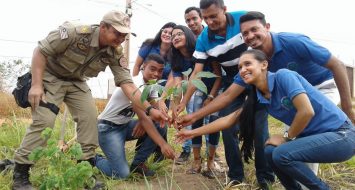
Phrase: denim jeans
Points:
(186, 146)
(211, 139)
(231, 145)
(112, 140)
(287, 160)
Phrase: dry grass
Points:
(9, 108)
(170, 176)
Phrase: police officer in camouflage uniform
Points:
(61, 64)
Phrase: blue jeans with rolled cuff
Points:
(287, 160)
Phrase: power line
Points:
(14, 56)
(335, 41)
(17, 41)
(151, 11)
(106, 3)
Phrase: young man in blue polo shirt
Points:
(222, 42)
(299, 53)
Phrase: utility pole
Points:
(126, 44)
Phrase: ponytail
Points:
(247, 125)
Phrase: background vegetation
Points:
(14, 120)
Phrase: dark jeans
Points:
(231, 145)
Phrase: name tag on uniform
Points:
(63, 33)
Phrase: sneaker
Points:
(142, 169)
(184, 157)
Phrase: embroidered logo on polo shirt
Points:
(293, 66)
(286, 103)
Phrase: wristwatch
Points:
(287, 138)
(148, 110)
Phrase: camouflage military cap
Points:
(118, 20)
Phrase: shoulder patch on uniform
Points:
(84, 29)
(63, 33)
(123, 62)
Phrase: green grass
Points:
(338, 176)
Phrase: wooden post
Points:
(126, 44)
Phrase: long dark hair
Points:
(156, 41)
(176, 57)
(247, 116)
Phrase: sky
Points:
(24, 22)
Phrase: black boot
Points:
(99, 185)
(21, 177)
(6, 165)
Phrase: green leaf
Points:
(206, 74)
(51, 142)
(76, 151)
(169, 92)
(36, 154)
(178, 91)
(199, 85)
(158, 88)
(51, 151)
(187, 73)
(145, 93)
(46, 133)
(152, 81)
(184, 84)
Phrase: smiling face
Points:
(251, 70)
(254, 33)
(194, 21)
(178, 38)
(166, 35)
(110, 36)
(214, 16)
(152, 70)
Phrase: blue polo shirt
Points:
(298, 53)
(223, 49)
(284, 85)
(146, 50)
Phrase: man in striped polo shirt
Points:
(222, 42)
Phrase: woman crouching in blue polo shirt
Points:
(320, 131)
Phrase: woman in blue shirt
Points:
(320, 131)
(160, 44)
(183, 46)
